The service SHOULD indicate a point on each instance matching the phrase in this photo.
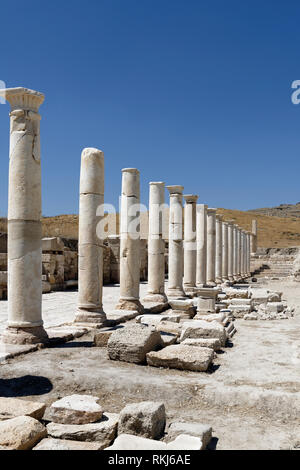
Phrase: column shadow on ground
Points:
(26, 385)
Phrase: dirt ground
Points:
(251, 397)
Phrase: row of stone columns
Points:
(213, 251)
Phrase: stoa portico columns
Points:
(156, 245)
(243, 251)
(235, 252)
(90, 243)
(225, 252)
(253, 237)
(230, 250)
(248, 253)
(130, 257)
(190, 244)
(201, 229)
(25, 323)
(211, 247)
(219, 249)
(175, 281)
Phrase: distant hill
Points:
(283, 210)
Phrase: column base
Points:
(28, 335)
(156, 298)
(211, 284)
(176, 293)
(218, 280)
(130, 305)
(92, 317)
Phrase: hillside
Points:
(273, 231)
(283, 210)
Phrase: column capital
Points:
(23, 98)
(175, 189)
(130, 170)
(211, 210)
(156, 183)
(190, 198)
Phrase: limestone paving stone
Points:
(21, 433)
(202, 431)
(131, 442)
(145, 419)
(182, 357)
(13, 407)
(103, 431)
(64, 444)
(76, 409)
(203, 329)
(213, 343)
(132, 343)
(185, 442)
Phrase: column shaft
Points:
(219, 247)
(201, 221)
(211, 247)
(190, 244)
(225, 252)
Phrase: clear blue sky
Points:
(190, 92)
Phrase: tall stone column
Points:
(90, 242)
(175, 281)
(225, 252)
(190, 244)
(239, 252)
(211, 247)
(201, 222)
(25, 323)
(230, 251)
(130, 257)
(253, 238)
(235, 252)
(243, 272)
(248, 254)
(156, 245)
(219, 249)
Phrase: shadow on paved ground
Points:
(27, 385)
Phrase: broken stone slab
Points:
(132, 343)
(202, 431)
(21, 433)
(232, 293)
(238, 311)
(121, 316)
(238, 301)
(102, 336)
(272, 307)
(213, 343)
(203, 329)
(76, 409)
(62, 334)
(205, 305)
(64, 444)
(103, 432)
(131, 442)
(9, 351)
(185, 308)
(182, 357)
(251, 316)
(169, 327)
(168, 339)
(155, 307)
(156, 318)
(13, 407)
(185, 442)
(145, 419)
(219, 317)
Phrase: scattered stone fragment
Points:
(13, 407)
(63, 444)
(103, 432)
(145, 419)
(102, 336)
(169, 327)
(155, 318)
(132, 343)
(213, 343)
(21, 433)
(202, 431)
(168, 338)
(130, 442)
(182, 357)
(76, 409)
(185, 442)
(203, 329)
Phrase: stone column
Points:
(211, 247)
(130, 243)
(248, 254)
(25, 323)
(219, 246)
(230, 251)
(90, 242)
(239, 253)
(253, 239)
(190, 244)
(156, 245)
(201, 221)
(225, 252)
(175, 282)
(235, 252)
(243, 254)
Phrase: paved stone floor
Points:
(251, 397)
